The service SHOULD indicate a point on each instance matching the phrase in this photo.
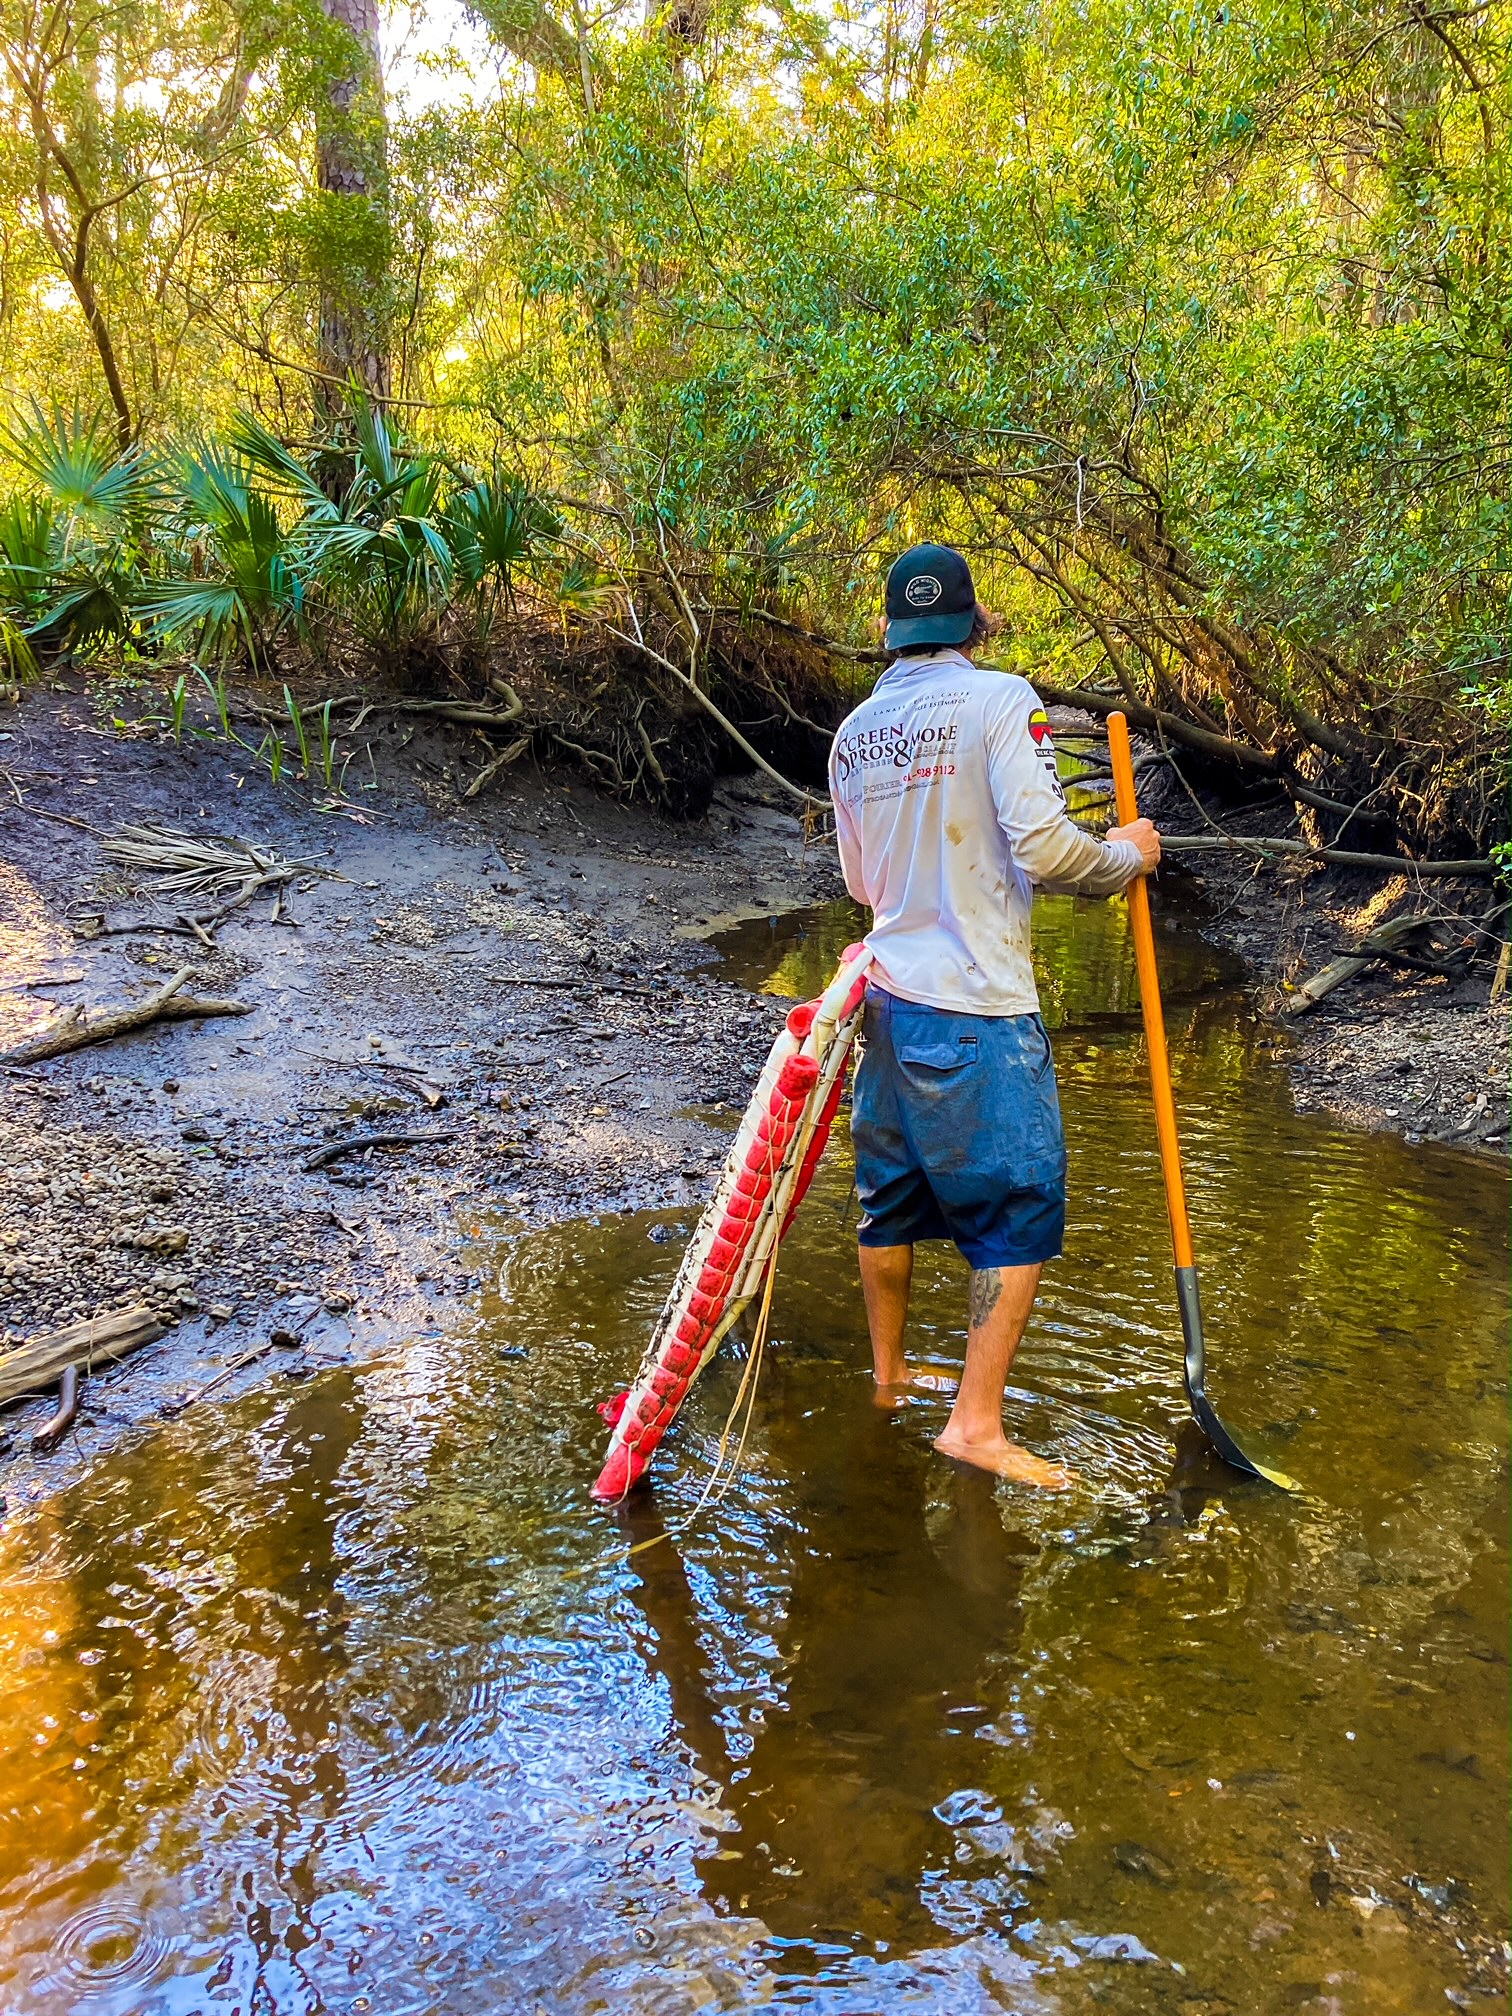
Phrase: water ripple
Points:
(110, 1947)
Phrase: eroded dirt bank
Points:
(526, 950)
(1421, 1053)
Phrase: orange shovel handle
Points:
(1149, 1001)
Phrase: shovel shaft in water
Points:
(1149, 1001)
(1194, 1366)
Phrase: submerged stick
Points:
(281, 1340)
(46, 1438)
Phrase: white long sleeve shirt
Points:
(949, 814)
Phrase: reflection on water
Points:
(1083, 957)
(343, 1698)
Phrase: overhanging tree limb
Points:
(1221, 747)
(529, 31)
(1476, 869)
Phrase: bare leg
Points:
(886, 1275)
(1001, 1298)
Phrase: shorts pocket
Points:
(1044, 1064)
(939, 1056)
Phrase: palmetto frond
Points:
(87, 606)
(245, 581)
(582, 589)
(281, 469)
(75, 460)
(16, 654)
(216, 610)
(27, 554)
(494, 526)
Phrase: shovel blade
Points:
(1204, 1413)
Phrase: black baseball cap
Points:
(931, 598)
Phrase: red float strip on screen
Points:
(719, 1253)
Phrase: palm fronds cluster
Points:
(184, 864)
(222, 547)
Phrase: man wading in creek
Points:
(949, 815)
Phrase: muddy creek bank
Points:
(342, 1697)
(529, 955)
(1421, 1054)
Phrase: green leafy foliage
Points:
(225, 546)
(1190, 326)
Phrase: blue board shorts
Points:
(957, 1130)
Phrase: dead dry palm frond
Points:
(183, 864)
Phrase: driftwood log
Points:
(98, 1340)
(1385, 938)
(74, 1029)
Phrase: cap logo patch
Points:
(923, 591)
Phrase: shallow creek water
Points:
(342, 1698)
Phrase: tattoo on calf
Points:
(986, 1287)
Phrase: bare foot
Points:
(898, 1392)
(1006, 1459)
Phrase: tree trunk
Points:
(353, 168)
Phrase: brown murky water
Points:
(343, 1699)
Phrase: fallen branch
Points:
(1409, 962)
(73, 1030)
(98, 1340)
(86, 927)
(57, 818)
(1385, 938)
(355, 1143)
(46, 1438)
(1139, 716)
(1340, 857)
